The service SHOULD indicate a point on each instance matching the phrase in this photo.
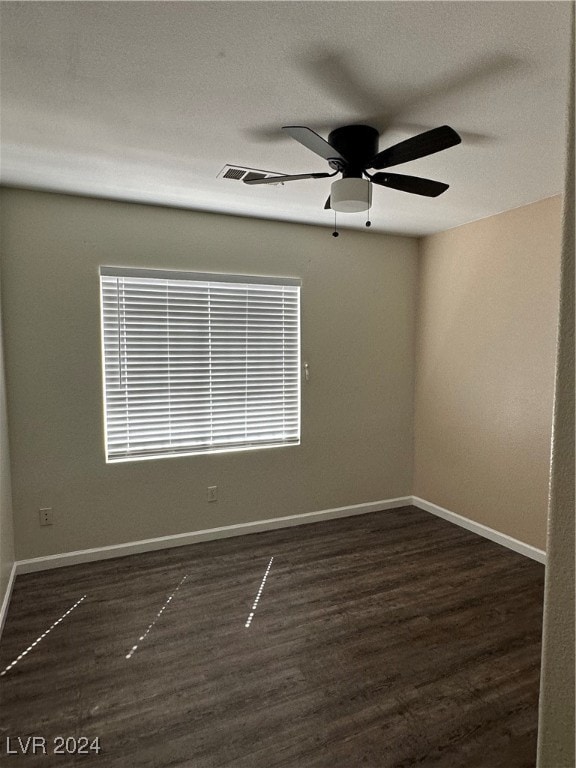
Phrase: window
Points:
(196, 363)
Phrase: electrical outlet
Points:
(212, 493)
(46, 517)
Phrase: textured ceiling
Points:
(147, 101)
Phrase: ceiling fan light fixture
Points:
(350, 195)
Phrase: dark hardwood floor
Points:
(384, 640)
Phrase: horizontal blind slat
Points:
(194, 365)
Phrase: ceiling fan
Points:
(353, 149)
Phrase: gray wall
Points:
(556, 729)
(358, 295)
(6, 529)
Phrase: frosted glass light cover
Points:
(350, 195)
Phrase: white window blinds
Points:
(195, 363)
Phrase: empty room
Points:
(287, 384)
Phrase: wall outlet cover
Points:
(46, 516)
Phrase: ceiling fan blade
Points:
(313, 142)
(282, 179)
(418, 146)
(413, 184)
(327, 204)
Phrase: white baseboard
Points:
(482, 530)
(7, 596)
(240, 529)
(181, 539)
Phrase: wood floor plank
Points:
(385, 640)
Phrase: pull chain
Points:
(368, 222)
(335, 233)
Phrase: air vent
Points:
(238, 173)
(234, 173)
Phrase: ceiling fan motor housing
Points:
(358, 144)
